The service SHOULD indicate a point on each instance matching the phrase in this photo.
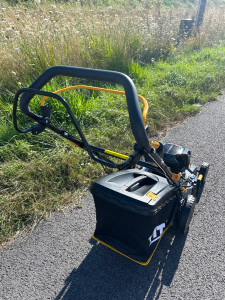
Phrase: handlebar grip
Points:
(134, 110)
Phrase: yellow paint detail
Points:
(145, 110)
(152, 195)
(200, 177)
(176, 177)
(116, 154)
(155, 144)
(183, 190)
(138, 262)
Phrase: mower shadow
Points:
(105, 274)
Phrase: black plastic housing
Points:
(176, 157)
(130, 206)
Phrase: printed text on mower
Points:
(157, 232)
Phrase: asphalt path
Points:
(59, 260)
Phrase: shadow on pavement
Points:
(104, 274)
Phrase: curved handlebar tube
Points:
(134, 110)
(84, 144)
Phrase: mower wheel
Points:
(186, 214)
(204, 171)
(201, 179)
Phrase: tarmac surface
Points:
(59, 260)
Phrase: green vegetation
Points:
(40, 174)
(173, 3)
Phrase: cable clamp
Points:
(40, 127)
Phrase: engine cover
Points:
(176, 157)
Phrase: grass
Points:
(53, 34)
(40, 174)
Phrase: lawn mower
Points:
(153, 188)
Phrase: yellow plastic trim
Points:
(155, 144)
(145, 110)
(152, 195)
(138, 262)
(183, 190)
(176, 177)
(116, 154)
(200, 177)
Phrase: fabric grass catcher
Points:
(154, 188)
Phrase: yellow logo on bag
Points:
(152, 195)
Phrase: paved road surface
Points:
(60, 261)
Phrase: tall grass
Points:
(35, 38)
(43, 173)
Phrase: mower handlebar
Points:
(134, 110)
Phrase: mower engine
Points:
(176, 157)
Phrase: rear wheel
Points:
(203, 171)
(186, 214)
(201, 179)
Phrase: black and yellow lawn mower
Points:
(155, 187)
